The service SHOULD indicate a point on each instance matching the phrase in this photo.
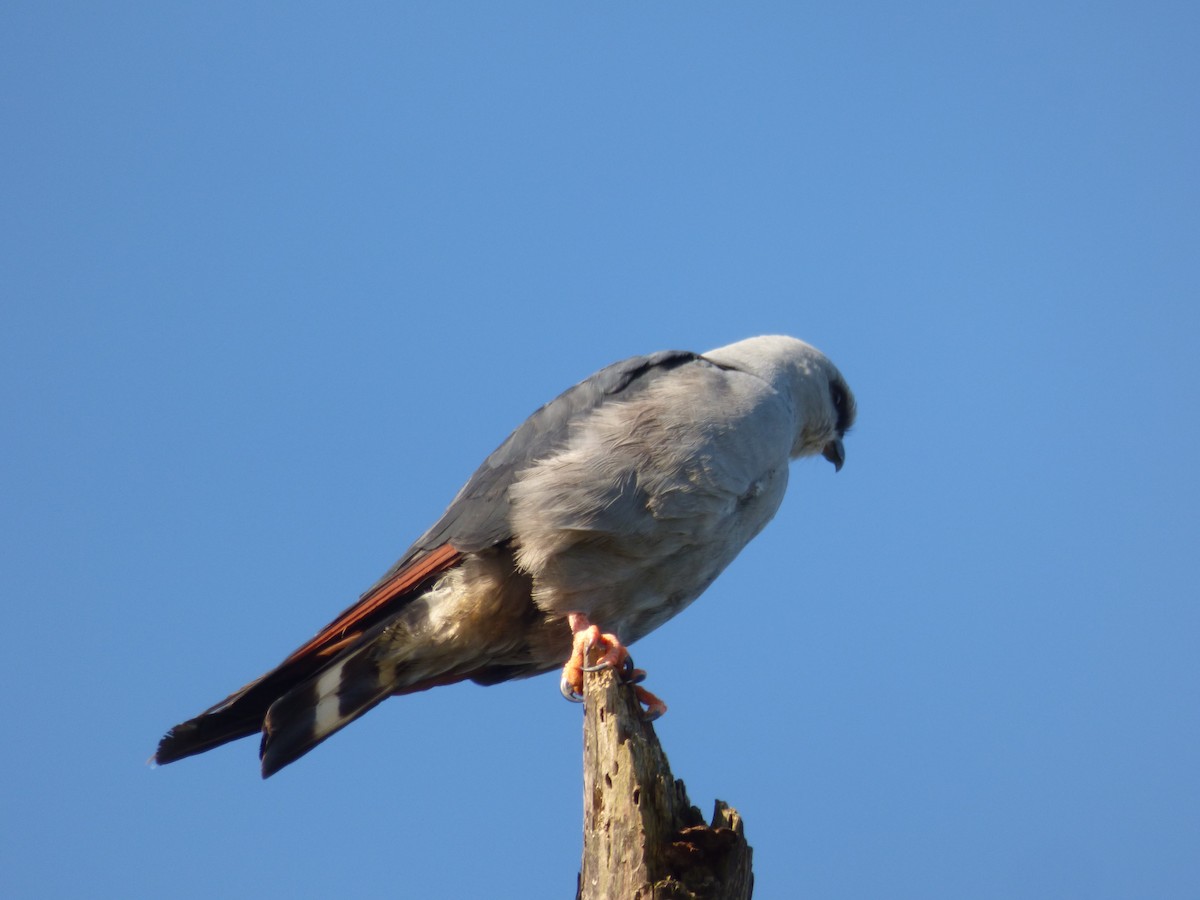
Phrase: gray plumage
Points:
(621, 500)
(478, 515)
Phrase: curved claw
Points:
(654, 706)
(627, 668)
(584, 636)
(565, 688)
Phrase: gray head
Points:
(820, 397)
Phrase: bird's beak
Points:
(835, 453)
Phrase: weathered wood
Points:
(642, 838)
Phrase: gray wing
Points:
(478, 517)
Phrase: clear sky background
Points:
(275, 278)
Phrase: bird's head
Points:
(822, 401)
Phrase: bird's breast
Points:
(649, 501)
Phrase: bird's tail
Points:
(296, 706)
(237, 716)
(350, 686)
(321, 706)
(241, 714)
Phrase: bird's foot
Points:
(585, 638)
(654, 706)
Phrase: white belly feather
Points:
(630, 524)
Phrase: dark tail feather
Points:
(239, 715)
(320, 707)
(202, 733)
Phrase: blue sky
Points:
(275, 278)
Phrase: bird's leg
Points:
(585, 636)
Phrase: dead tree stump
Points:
(642, 838)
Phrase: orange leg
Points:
(585, 636)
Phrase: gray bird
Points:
(603, 515)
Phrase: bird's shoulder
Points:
(478, 515)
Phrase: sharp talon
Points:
(626, 668)
(586, 637)
(564, 688)
(654, 706)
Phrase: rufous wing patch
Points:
(343, 630)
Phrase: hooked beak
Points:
(835, 453)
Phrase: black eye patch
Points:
(843, 405)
